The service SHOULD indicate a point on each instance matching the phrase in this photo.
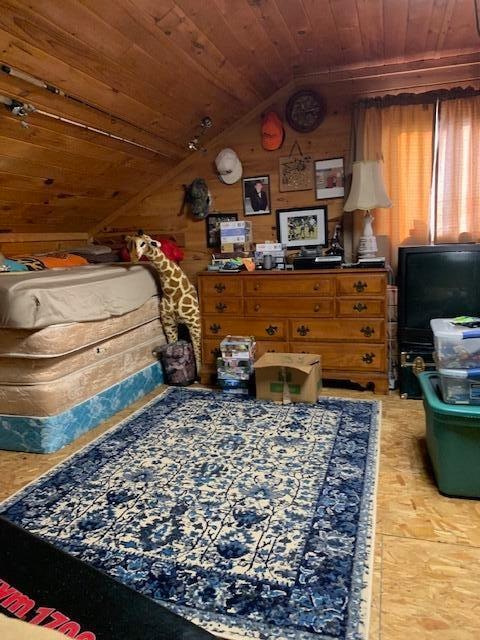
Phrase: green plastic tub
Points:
(453, 440)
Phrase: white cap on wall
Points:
(229, 167)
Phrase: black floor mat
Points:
(42, 584)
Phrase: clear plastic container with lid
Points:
(460, 386)
(456, 347)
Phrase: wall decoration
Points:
(329, 178)
(213, 221)
(256, 195)
(296, 171)
(302, 226)
(305, 110)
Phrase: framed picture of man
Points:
(256, 195)
(213, 221)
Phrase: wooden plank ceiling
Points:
(150, 70)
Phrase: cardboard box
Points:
(288, 377)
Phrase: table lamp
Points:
(366, 193)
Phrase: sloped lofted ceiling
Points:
(149, 70)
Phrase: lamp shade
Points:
(367, 191)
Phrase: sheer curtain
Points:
(458, 176)
(401, 135)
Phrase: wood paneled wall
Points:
(58, 178)
(163, 210)
(150, 70)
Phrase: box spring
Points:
(44, 434)
(57, 395)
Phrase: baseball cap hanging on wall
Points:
(198, 197)
(229, 167)
(273, 133)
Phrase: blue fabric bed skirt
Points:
(51, 433)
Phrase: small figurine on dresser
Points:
(336, 247)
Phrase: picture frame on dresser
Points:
(303, 226)
(212, 227)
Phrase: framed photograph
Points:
(256, 195)
(329, 178)
(303, 227)
(213, 221)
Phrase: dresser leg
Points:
(381, 386)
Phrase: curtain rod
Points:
(429, 97)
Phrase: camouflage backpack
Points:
(198, 197)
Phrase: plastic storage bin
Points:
(460, 386)
(453, 441)
(456, 347)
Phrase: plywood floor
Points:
(426, 583)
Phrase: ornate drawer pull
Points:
(360, 286)
(368, 357)
(219, 287)
(317, 307)
(215, 328)
(256, 287)
(359, 307)
(271, 330)
(220, 307)
(367, 331)
(303, 330)
(256, 307)
(316, 286)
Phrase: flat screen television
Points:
(435, 281)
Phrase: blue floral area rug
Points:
(249, 518)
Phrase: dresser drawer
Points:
(367, 330)
(262, 329)
(222, 305)
(360, 283)
(270, 307)
(360, 307)
(272, 346)
(222, 285)
(289, 286)
(210, 351)
(355, 357)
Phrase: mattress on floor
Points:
(43, 434)
(31, 300)
(55, 396)
(60, 339)
(36, 370)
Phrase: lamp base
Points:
(367, 247)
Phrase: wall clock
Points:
(305, 110)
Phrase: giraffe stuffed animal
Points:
(179, 303)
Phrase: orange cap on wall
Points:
(273, 132)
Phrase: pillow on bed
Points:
(91, 250)
(63, 260)
(31, 263)
(13, 265)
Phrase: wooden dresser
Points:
(338, 313)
